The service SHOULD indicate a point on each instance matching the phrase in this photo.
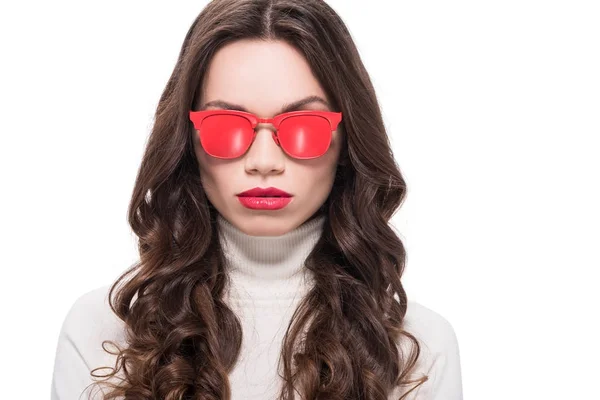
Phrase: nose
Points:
(264, 155)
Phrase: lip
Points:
(264, 192)
(264, 203)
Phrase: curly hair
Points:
(343, 339)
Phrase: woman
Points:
(238, 296)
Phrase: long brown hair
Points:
(182, 338)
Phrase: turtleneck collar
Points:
(264, 259)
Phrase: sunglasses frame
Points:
(333, 117)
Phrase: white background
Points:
(493, 110)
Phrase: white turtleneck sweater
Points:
(268, 280)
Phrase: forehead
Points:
(260, 75)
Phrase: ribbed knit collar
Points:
(270, 263)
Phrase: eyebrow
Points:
(296, 105)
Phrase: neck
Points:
(263, 264)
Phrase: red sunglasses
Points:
(229, 133)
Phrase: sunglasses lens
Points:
(305, 136)
(225, 136)
(229, 136)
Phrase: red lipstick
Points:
(270, 198)
(266, 192)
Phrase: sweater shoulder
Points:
(81, 349)
(438, 357)
(89, 322)
(91, 311)
(429, 326)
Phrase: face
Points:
(262, 77)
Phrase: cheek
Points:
(218, 177)
(208, 172)
(316, 178)
(335, 148)
(334, 156)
